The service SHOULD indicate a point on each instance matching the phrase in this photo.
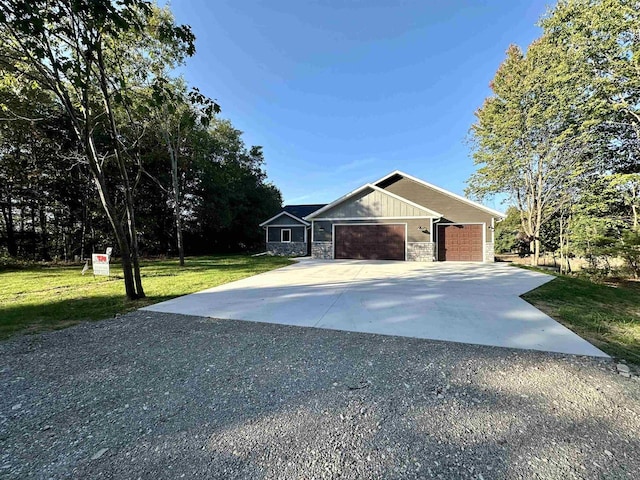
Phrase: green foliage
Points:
(527, 140)
(91, 55)
(233, 196)
(599, 42)
(628, 248)
(560, 134)
(506, 233)
(66, 170)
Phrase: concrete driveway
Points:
(460, 302)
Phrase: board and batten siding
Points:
(372, 203)
(284, 220)
(452, 209)
(274, 233)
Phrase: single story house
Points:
(398, 217)
(287, 233)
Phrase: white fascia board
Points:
(284, 213)
(493, 212)
(333, 219)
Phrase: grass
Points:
(607, 315)
(45, 297)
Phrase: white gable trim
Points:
(442, 190)
(284, 213)
(430, 213)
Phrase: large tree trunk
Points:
(34, 234)
(561, 238)
(536, 251)
(84, 133)
(536, 238)
(83, 232)
(538, 206)
(7, 214)
(118, 231)
(173, 155)
(176, 199)
(128, 196)
(44, 237)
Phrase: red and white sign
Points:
(100, 263)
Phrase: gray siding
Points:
(297, 233)
(454, 210)
(372, 203)
(285, 220)
(322, 231)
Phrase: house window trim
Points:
(282, 240)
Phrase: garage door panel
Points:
(460, 243)
(370, 242)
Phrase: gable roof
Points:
(297, 212)
(477, 205)
(288, 215)
(428, 212)
(302, 211)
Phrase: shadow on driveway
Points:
(171, 395)
(469, 303)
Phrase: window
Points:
(285, 235)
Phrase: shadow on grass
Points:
(33, 300)
(219, 263)
(57, 314)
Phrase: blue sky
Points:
(340, 93)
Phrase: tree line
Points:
(101, 143)
(560, 136)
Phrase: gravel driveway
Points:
(152, 396)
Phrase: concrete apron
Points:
(460, 302)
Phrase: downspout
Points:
(435, 244)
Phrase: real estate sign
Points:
(100, 263)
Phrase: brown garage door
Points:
(370, 242)
(461, 243)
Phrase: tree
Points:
(36, 169)
(528, 141)
(627, 188)
(179, 113)
(599, 41)
(506, 233)
(72, 49)
(229, 196)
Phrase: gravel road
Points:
(154, 396)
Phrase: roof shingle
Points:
(302, 211)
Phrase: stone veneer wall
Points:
(420, 251)
(323, 250)
(292, 249)
(416, 251)
(489, 254)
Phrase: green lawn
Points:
(608, 316)
(36, 298)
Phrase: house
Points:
(398, 217)
(287, 233)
